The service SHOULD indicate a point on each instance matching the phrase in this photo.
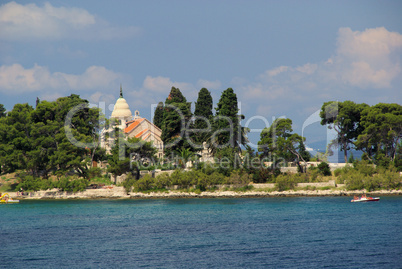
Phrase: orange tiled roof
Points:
(141, 133)
(133, 125)
(146, 136)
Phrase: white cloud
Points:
(156, 89)
(210, 85)
(363, 61)
(164, 84)
(30, 22)
(369, 58)
(277, 71)
(15, 79)
(365, 67)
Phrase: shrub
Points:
(263, 175)
(128, 183)
(285, 182)
(372, 183)
(183, 179)
(238, 179)
(337, 172)
(72, 185)
(365, 168)
(313, 174)
(216, 178)
(324, 169)
(31, 183)
(390, 179)
(145, 183)
(94, 172)
(162, 181)
(353, 180)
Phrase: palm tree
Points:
(185, 155)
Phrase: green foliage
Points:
(398, 158)
(94, 172)
(278, 142)
(158, 117)
(225, 160)
(365, 175)
(145, 183)
(31, 183)
(72, 184)
(227, 131)
(40, 140)
(390, 178)
(162, 181)
(263, 175)
(324, 169)
(351, 158)
(304, 154)
(353, 180)
(129, 182)
(203, 116)
(285, 182)
(119, 160)
(185, 155)
(183, 179)
(365, 168)
(382, 125)
(382, 160)
(314, 174)
(176, 116)
(238, 179)
(216, 178)
(2, 111)
(344, 118)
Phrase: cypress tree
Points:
(176, 115)
(2, 111)
(303, 152)
(227, 118)
(158, 117)
(203, 115)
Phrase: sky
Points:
(282, 58)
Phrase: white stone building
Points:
(131, 126)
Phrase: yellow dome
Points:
(121, 109)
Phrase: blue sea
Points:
(297, 232)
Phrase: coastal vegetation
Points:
(56, 144)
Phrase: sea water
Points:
(298, 232)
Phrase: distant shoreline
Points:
(120, 193)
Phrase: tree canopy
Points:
(128, 155)
(40, 140)
(382, 131)
(227, 129)
(279, 144)
(344, 118)
(2, 111)
(176, 116)
(158, 116)
(203, 117)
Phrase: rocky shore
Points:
(119, 193)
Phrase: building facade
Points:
(131, 126)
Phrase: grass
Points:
(101, 180)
